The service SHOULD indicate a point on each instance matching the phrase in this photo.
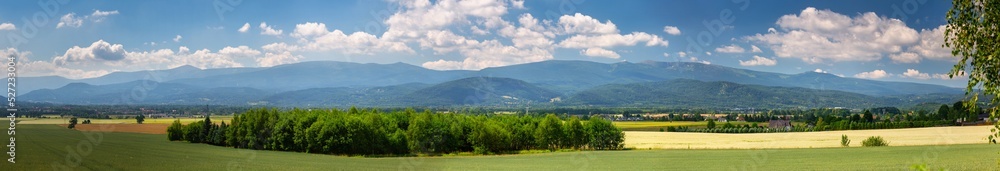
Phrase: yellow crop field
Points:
(896, 137)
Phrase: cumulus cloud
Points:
(819, 70)
(682, 54)
(86, 62)
(584, 24)
(730, 49)
(945, 76)
(491, 53)
(245, 28)
(930, 45)
(759, 61)
(273, 59)
(69, 20)
(239, 51)
(7, 26)
(31, 68)
(755, 49)
(99, 15)
(822, 35)
(671, 30)
(600, 52)
(912, 73)
(177, 38)
(99, 51)
(72, 20)
(268, 30)
(876, 74)
(316, 37)
(905, 57)
(612, 40)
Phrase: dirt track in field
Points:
(134, 128)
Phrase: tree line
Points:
(403, 132)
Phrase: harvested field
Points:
(896, 137)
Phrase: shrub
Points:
(874, 141)
(72, 123)
(844, 142)
(604, 135)
(176, 131)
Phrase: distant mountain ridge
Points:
(327, 82)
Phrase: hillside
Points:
(480, 91)
(694, 93)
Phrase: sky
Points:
(897, 40)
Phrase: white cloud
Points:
(316, 37)
(90, 61)
(71, 20)
(944, 76)
(7, 26)
(530, 34)
(905, 57)
(239, 51)
(876, 74)
(755, 49)
(273, 59)
(612, 40)
(178, 38)
(433, 26)
(671, 30)
(97, 51)
(930, 45)
(245, 28)
(759, 61)
(417, 17)
(518, 4)
(708, 53)
(912, 73)
(816, 36)
(309, 29)
(584, 24)
(267, 30)
(819, 71)
(730, 49)
(491, 54)
(600, 52)
(682, 54)
(666, 54)
(99, 16)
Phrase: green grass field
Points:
(40, 147)
(227, 119)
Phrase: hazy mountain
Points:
(563, 76)
(694, 93)
(490, 91)
(28, 84)
(324, 74)
(344, 96)
(342, 84)
(143, 92)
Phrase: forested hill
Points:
(694, 93)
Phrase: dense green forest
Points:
(402, 132)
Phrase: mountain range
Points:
(557, 83)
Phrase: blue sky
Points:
(881, 40)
